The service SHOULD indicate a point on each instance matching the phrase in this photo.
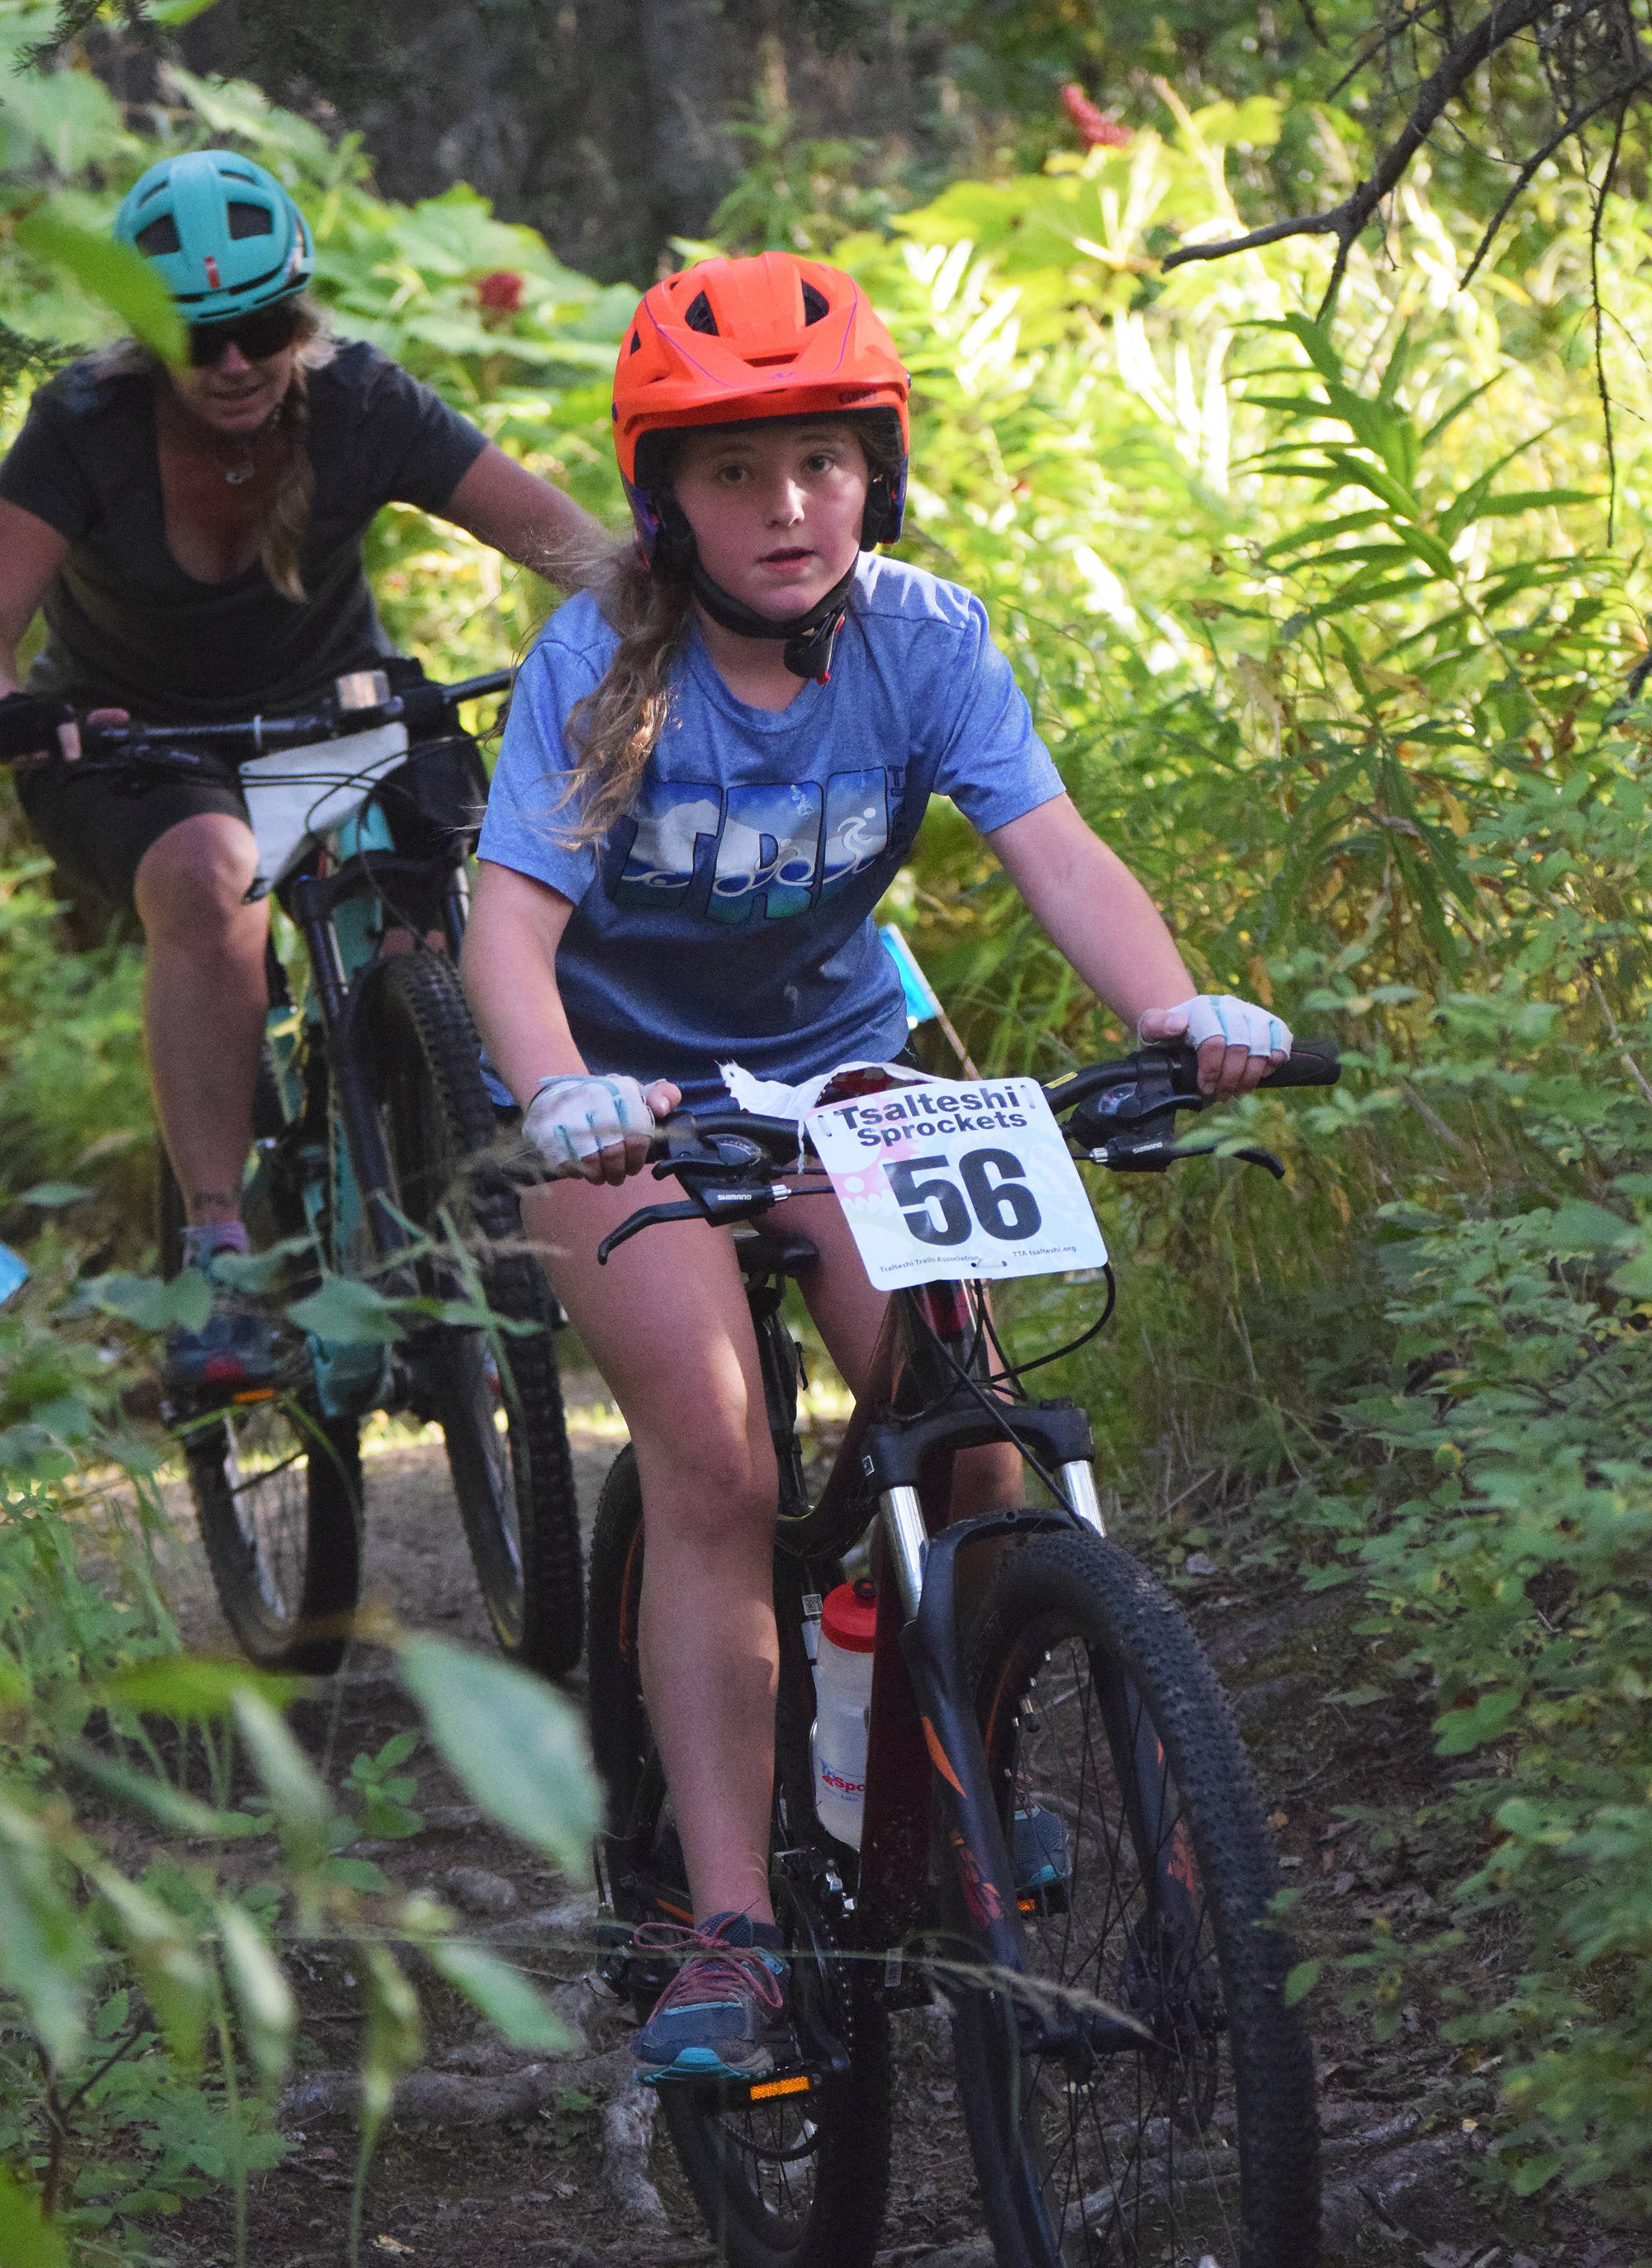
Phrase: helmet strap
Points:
(810, 637)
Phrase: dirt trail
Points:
(493, 2157)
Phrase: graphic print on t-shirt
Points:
(782, 845)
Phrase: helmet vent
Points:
(699, 316)
(816, 308)
(250, 220)
(161, 236)
(637, 342)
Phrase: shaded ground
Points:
(494, 2158)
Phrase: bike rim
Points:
(266, 1467)
(1134, 2153)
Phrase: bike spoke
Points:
(1141, 2163)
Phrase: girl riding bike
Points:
(194, 536)
(714, 766)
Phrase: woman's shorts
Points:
(97, 834)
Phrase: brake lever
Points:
(647, 1218)
(705, 1204)
(1122, 1155)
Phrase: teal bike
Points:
(376, 1163)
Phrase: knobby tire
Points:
(1098, 1710)
(516, 1496)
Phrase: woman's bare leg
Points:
(204, 1002)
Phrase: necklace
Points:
(246, 464)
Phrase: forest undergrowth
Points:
(1333, 628)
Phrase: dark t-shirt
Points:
(127, 626)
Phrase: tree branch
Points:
(1575, 124)
(1504, 20)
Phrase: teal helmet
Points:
(223, 234)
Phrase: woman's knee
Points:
(195, 878)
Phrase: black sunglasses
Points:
(258, 335)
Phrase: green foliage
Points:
(146, 2020)
(1323, 628)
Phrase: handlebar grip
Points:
(1311, 1063)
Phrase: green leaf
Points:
(348, 1314)
(169, 1807)
(1577, 1226)
(175, 13)
(185, 1303)
(120, 277)
(1300, 1981)
(505, 1998)
(28, 2239)
(394, 2039)
(1461, 1730)
(176, 1979)
(295, 1788)
(516, 1744)
(46, 1948)
(194, 1689)
(263, 1997)
(1634, 1279)
(1532, 2174)
(51, 1195)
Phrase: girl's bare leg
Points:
(666, 1323)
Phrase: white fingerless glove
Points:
(1241, 1023)
(572, 1116)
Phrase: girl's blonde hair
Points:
(286, 516)
(614, 731)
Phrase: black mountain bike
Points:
(1062, 1839)
(372, 1129)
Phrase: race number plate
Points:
(949, 1181)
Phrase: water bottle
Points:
(843, 1705)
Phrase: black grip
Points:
(1311, 1063)
(28, 725)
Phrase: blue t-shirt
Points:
(729, 913)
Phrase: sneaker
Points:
(238, 1349)
(1042, 1863)
(724, 2015)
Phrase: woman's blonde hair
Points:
(614, 731)
(286, 515)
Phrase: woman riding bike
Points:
(195, 537)
(713, 768)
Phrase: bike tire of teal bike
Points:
(840, 2226)
(1079, 1660)
(285, 1555)
(515, 1494)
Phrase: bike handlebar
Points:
(1120, 1115)
(172, 747)
(1127, 1089)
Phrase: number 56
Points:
(998, 1196)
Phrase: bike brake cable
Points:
(994, 1409)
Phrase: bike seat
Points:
(774, 1252)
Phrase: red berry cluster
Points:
(1093, 127)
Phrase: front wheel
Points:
(277, 1498)
(495, 1392)
(1143, 1874)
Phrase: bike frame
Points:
(345, 1185)
(907, 1426)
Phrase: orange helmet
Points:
(727, 341)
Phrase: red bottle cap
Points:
(848, 1616)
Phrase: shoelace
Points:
(715, 1962)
